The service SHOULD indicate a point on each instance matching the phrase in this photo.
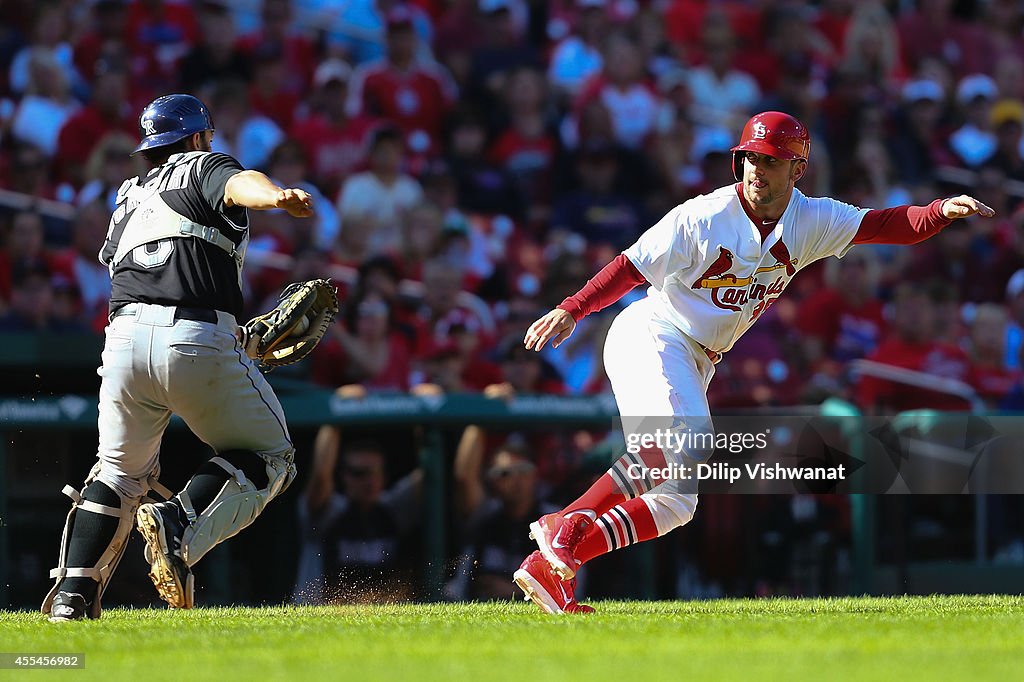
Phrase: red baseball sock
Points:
(624, 524)
(626, 479)
(599, 498)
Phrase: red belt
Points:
(713, 356)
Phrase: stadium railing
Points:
(918, 431)
(313, 407)
(316, 407)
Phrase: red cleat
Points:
(541, 586)
(557, 537)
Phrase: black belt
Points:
(180, 313)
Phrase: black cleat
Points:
(162, 532)
(68, 606)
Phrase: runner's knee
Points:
(671, 510)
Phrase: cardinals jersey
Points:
(712, 276)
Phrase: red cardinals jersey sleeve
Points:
(902, 224)
(614, 281)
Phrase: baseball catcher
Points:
(175, 249)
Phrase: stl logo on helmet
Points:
(148, 128)
(760, 131)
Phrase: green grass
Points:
(910, 638)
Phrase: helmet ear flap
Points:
(737, 166)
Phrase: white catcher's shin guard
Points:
(235, 507)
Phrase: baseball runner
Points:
(714, 264)
(175, 249)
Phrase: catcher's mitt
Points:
(290, 331)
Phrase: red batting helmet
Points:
(775, 134)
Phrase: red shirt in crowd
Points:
(278, 106)
(415, 100)
(941, 360)
(158, 38)
(436, 333)
(298, 53)
(993, 383)
(481, 373)
(684, 21)
(335, 151)
(528, 158)
(847, 331)
(83, 131)
(168, 22)
(330, 366)
(957, 44)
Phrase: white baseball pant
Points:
(658, 376)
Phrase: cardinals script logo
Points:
(739, 290)
(760, 131)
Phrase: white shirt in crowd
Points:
(363, 194)
(717, 101)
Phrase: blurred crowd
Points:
(475, 161)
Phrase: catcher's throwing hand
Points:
(555, 327)
(964, 206)
(297, 202)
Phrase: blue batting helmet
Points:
(170, 118)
